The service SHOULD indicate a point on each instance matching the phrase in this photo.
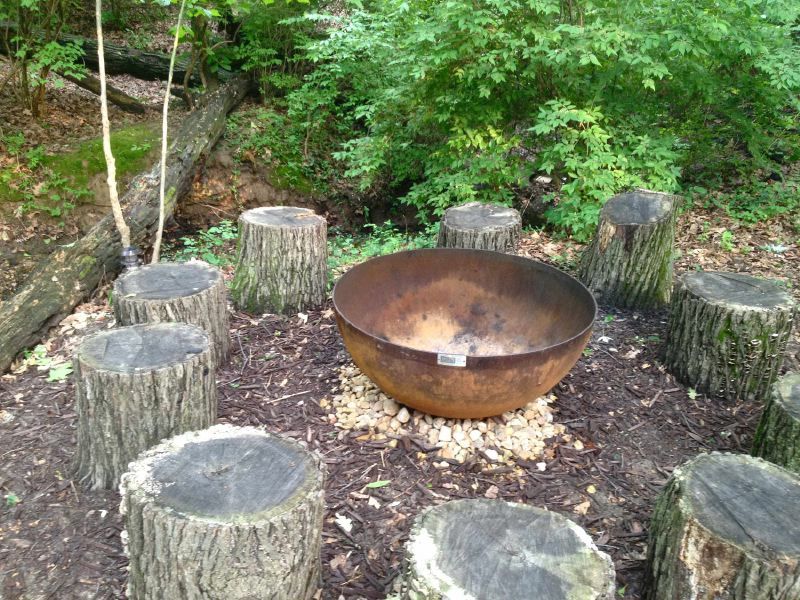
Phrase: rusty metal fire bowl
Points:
(462, 333)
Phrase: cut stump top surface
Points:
(163, 281)
(502, 550)
(638, 208)
(788, 388)
(737, 289)
(143, 347)
(745, 501)
(282, 216)
(226, 474)
(476, 215)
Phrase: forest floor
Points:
(628, 425)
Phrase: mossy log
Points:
(228, 513)
(192, 292)
(281, 263)
(725, 528)
(777, 438)
(480, 227)
(629, 262)
(71, 273)
(135, 386)
(487, 550)
(728, 332)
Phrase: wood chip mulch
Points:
(629, 425)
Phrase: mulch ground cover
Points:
(628, 422)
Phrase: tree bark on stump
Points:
(70, 274)
(192, 292)
(725, 528)
(486, 550)
(229, 513)
(777, 438)
(480, 227)
(727, 333)
(135, 386)
(281, 264)
(629, 262)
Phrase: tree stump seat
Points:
(629, 262)
(490, 549)
(728, 332)
(725, 528)
(281, 264)
(480, 226)
(192, 292)
(134, 386)
(228, 513)
(777, 437)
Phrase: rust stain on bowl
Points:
(462, 333)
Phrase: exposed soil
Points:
(629, 425)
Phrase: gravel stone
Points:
(358, 404)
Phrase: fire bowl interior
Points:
(462, 333)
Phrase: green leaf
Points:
(59, 372)
(692, 393)
(378, 484)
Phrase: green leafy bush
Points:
(448, 101)
(215, 245)
(345, 249)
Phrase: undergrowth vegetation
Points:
(217, 244)
(443, 102)
(56, 183)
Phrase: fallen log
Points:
(114, 95)
(125, 60)
(72, 272)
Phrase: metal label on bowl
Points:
(451, 360)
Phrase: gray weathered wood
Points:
(281, 264)
(725, 528)
(228, 513)
(728, 333)
(192, 292)
(71, 273)
(481, 227)
(487, 550)
(629, 262)
(777, 438)
(135, 386)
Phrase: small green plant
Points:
(726, 241)
(608, 318)
(345, 250)
(12, 500)
(143, 147)
(213, 245)
(57, 370)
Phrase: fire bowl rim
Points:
(475, 359)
